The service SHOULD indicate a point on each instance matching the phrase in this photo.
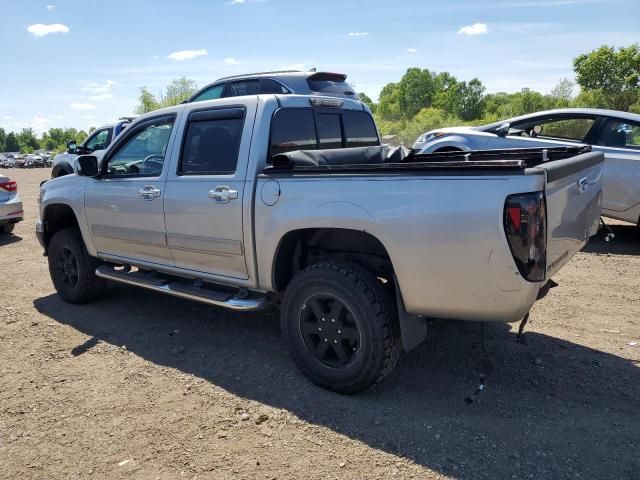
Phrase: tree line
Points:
(53, 140)
(423, 100)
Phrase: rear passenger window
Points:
(211, 147)
(293, 129)
(268, 85)
(210, 93)
(329, 130)
(242, 87)
(359, 129)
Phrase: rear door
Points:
(619, 140)
(574, 197)
(205, 191)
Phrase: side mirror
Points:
(87, 165)
(72, 147)
(503, 130)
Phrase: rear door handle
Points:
(149, 192)
(223, 194)
(583, 185)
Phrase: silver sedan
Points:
(11, 211)
(616, 134)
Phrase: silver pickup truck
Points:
(289, 200)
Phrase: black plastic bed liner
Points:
(384, 158)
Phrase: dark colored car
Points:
(281, 82)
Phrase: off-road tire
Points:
(368, 302)
(88, 287)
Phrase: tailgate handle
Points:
(583, 185)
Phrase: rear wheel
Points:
(341, 326)
(72, 269)
(7, 228)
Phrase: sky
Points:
(72, 63)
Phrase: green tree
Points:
(364, 98)
(417, 88)
(388, 108)
(614, 73)
(563, 91)
(27, 140)
(147, 102)
(178, 90)
(3, 137)
(470, 100)
(11, 143)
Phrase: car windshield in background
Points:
(330, 83)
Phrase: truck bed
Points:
(439, 216)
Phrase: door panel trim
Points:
(131, 235)
(205, 244)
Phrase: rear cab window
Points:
(210, 93)
(320, 129)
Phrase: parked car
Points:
(280, 82)
(289, 199)
(64, 163)
(11, 211)
(616, 134)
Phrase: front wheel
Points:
(341, 326)
(72, 269)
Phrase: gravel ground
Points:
(139, 385)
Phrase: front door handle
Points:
(149, 192)
(223, 194)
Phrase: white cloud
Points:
(186, 54)
(88, 117)
(231, 61)
(236, 2)
(101, 96)
(50, 7)
(7, 117)
(412, 50)
(96, 87)
(475, 29)
(40, 29)
(82, 106)
(358, 34)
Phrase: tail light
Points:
(10, 186)
(525, 223)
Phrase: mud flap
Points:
(413, 329)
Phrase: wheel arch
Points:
(61, 169)
(57, 216)
(300, 248)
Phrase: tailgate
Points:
(574, 197)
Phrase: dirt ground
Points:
(139, 385)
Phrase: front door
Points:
(205, 194)
(124, 204)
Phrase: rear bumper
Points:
(11, 211)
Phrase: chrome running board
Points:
(252, 302)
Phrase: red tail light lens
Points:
(525, 224)
(10, 186)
